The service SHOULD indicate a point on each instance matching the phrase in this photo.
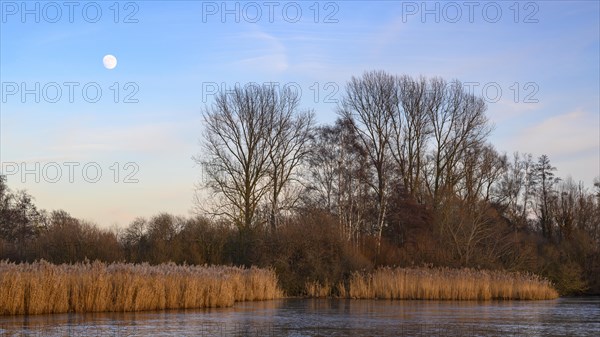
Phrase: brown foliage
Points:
(69, 240)
(312, 249)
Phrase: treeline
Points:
(405, 176)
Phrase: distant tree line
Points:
(404, 176)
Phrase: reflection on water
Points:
(300, 317)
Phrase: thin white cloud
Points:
(571, 140)
(161, 137)
(507, 109)
(270, 54)
(389, 34)
(566, 134)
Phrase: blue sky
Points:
(543, 56)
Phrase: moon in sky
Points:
(110, 62)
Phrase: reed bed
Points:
(317, 290)
(43, 288)
(448, 284)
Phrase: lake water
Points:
(331, 317)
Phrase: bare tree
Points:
(287, 143)
(323, 163)
(371, 102)
(411, 130)
(354, 181)
(467, 227)
(565, 207)
(589, 220)
(481, 169)
(458, 123)
(236, 151)
(339, 177)
(254, 142)
(546, 193)
(20, 219)
(466, 219)
(508, 191)
(515, 189)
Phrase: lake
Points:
(331, 317)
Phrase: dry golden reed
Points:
(316, 289)
(41, 287)
(448, 284)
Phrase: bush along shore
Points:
(44, 288)
(438, 284)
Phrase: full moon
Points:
(110, 62)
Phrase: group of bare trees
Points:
(421, 137)
(28, 233)
(532, 196)
(395, 137)
(19, 217)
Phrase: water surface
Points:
(331, 317)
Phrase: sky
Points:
(110, 145)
